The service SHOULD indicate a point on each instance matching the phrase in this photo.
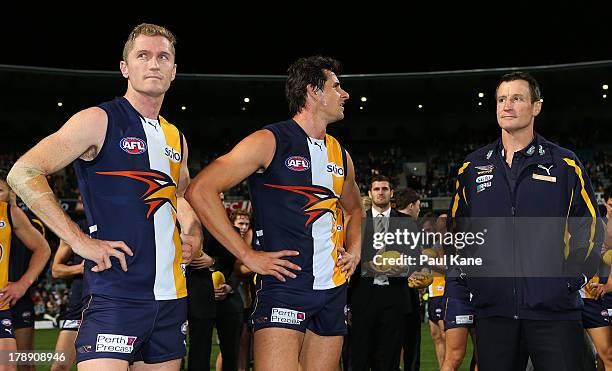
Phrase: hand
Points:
(189, 245)
(13, 292)
(202, 261)
(270, 263)
(598, 290)
(347, 261)
(79, 268)
(100, 251)
(222, 292)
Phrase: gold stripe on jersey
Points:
(5, 246)
(173, 140)
(334, 156)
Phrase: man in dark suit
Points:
(378, 292)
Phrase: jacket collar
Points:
(537, 152)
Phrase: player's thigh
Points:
(456, 340)
(65, 345)
(277, 348)
(320, 352)
(103, 364)
(7, 344)
(25, 338)
(172, 365)
(602, 338)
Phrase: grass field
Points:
(45, 340)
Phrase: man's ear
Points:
(124, 69)
(312, 91)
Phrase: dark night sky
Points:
(379, 41)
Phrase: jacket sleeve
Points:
(459, 203)
(583, 234)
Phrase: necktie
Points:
(380, 224)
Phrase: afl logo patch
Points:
(2, 223)
(133, 145)
(297, 163)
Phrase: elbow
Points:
(190, 193)
(55, 273)
(11, 178)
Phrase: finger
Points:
(288, 264)
(96, 269)
(279, 254)
(107, 262)
(277, 275)
(121, 245)
(121, 256)
(284, 272)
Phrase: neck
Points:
(514, 141)
(312, 125)
(379, 209)
(147, 106)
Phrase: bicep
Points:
(80, 133)
(184, 177)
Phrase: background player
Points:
(14, 220)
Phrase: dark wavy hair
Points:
(304, 72)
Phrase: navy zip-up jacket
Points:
(539, 222)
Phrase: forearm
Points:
(65, 271)
(353, 234)
(31, 185)
(210, 211)
(190, 224)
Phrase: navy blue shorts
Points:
(595, 313)
(459, 313)
(23, 313)
(152, 331)
(6, 325)
(435, 308)
(320, 311)
(72, 318)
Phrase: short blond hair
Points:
(148, 29)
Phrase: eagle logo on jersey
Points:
(161, 188)
(321, 200)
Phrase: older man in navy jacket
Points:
(535, 206)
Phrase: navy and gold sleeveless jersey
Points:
(129, 194)
(296, 205)
(5, 244)
(20, 254)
